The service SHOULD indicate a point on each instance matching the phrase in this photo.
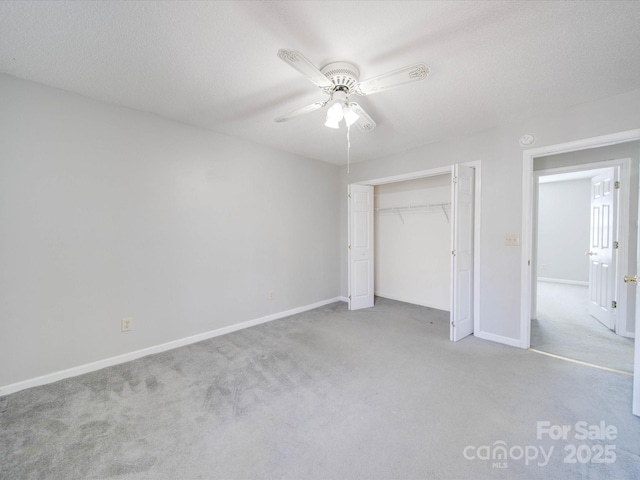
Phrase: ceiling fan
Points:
(341, 79)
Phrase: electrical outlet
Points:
(271, 296)
(127, 324)
(512, 240)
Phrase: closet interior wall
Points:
(413, 241)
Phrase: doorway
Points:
(463, 254)
(576, 225)
(528, 261)
(412, 241)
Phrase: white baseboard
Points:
(560, 280)
(127, 357)
(413, 302)
(627, 334)
(512, 342)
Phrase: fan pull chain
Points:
(348, 147)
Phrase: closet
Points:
(412, 241)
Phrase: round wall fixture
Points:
(527, 139)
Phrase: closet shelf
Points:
(427, 208)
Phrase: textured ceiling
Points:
(214, 64)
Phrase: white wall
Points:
(412, 249)
(106, 212)
(563, 230)
(501, 160)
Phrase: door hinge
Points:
(349, 195)
(453, 252)
(453, 324)
(349, 247)
(614, 304)
(616, 185)
(455, 180)
(349, 297)
(616, 245)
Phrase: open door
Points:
(462, 196)
(360, 246)
(602, 267)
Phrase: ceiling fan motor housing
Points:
(343, 75)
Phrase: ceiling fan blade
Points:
(365, 122)
(413, 73)
(305, 67)
(300, 111)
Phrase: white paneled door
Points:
(601, 248)
(360, 246)
(462, 252)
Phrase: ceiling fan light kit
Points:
(341, 79)
(341, 109)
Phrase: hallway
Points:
(564, 327)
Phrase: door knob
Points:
(628, 279)
(590, 253)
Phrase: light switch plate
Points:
(512, 240)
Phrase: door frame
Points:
(528, 157)
(476, 220)
(623, 166)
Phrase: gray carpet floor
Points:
(379, 393)
(564, 327)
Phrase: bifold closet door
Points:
(360, 246)
(462, 208)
